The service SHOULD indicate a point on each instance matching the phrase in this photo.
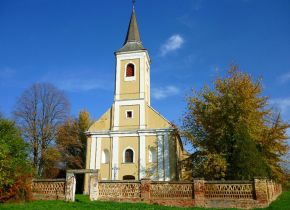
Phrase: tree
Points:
(14, 167)
(234, 121)
(39, 111)
(71, 141)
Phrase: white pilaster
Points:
(142, 167)
(116, 116)
(117, 85)
(93, 153)
(142, 77)
(98, 155)
(166, 158)
(142, 115)
(115, 158)
(160, 158)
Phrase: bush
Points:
(15, 172)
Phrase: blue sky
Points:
(70, 43)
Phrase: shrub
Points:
(15, 172)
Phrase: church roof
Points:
(132, 40)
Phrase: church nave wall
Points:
(129, 168)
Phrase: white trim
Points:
(142, 167)
(148, 81)
(126, 111)
(124, 155)
(115, 155)
(166, 158)
(132, 55)
(126, 135)
(160, 158)
(142, 76)
(117, 85)
(93, 153)
(146, 132)
(136, 52)
(116, 116)
(133, 78)
(98, 153)
(129, 102)
(142, 115)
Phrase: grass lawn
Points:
(83, 203)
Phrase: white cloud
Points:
(173, 43)
(283, 104)
(284, 78)
(164, 92)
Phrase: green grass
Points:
(83, 203)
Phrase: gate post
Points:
(145, 190)
(261, 191)
(70, 187)
(199, 188)
(94, 188)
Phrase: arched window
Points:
(152, 155)
(129, 156)
(130, 70)
(105, 156)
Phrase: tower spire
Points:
(132, 41)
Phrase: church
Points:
(131, 140)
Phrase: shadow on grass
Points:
(83, 203)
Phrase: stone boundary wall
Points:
(258, 193)
(164, 193)
(229, 194)
(48, 189)
(222, 194)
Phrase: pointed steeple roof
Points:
(133, 32)
(132, 40)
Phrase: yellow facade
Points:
(130, 89)
(126, 123)
(105, 170)
(128, 168)
(132, 140)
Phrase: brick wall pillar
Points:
(94, 188)
(199, 188)
(145, 190)
(261, 191)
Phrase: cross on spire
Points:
(133, 2)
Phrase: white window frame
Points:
(128, 79)
(124, 151)
(127, 115)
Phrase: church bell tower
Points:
(132, 83)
